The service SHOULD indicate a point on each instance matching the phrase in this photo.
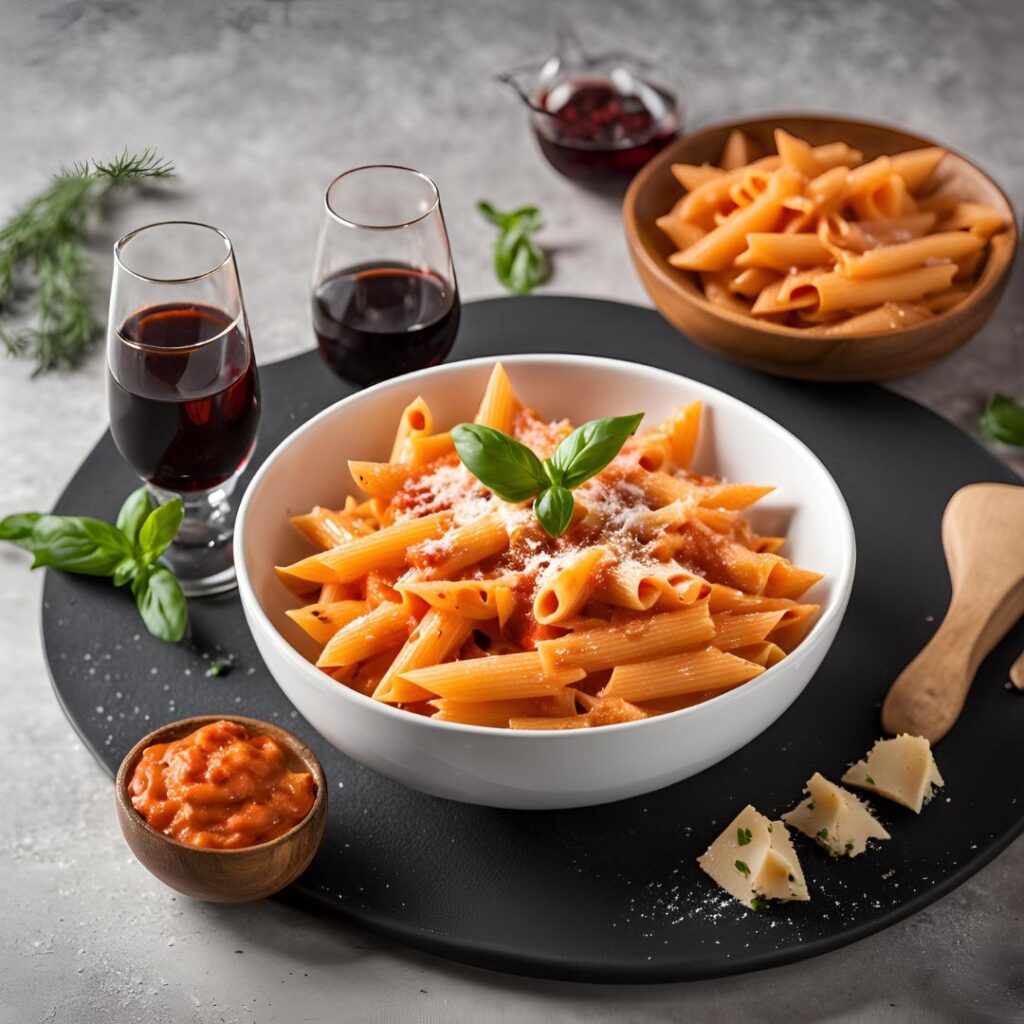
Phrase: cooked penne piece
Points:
(380, 479)
(355, 558)
(379, 629)
(886, 317)
(893, 259)
(321, 621)
(639, 640)
(416, 421)
(327, 528)
(568, 590)
(438, 634)
(499, 678)
(462, 547)
(782, 252)
(499, 403)
(472, 599)
(733, 630)
(691, 672)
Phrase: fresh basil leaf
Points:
(590, 447)
(491, 214)
(553, 509)
(78, 544)
(1003, 420)
(499, 462)
(519, 263)
(125, 570)
(133, 513)
(160, 526)
(161, 604)
(17, 528)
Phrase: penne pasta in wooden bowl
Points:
(820, 248)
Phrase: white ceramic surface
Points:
(539, 769)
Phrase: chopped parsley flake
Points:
(849, 845)
(810, 805)
(742, 868)
(743, 836)
(821, 835)
(758, 903)
(870, 781)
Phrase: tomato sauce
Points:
(220, 788)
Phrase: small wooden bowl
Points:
(789, 351)
(224, 876)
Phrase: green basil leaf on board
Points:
(553, 509)
(78, 544)
(161, 604)
(160, 526)
(133, 513)
(125, 552)
(499, 462)
(591, 446)
(519, 263)
(17, 528)
(1003, 420)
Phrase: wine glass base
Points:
(219, 583)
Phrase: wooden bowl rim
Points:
(985, 284)
(184, 726)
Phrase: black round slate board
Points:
(609, 893)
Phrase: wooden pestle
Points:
(983, 537)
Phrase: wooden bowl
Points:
(224, 876)
(790, 351)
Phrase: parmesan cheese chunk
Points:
(840, 822)
(902, 770)
(754, 858)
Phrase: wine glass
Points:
(385, 299)
(182, 389)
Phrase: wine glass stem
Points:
(201, 553)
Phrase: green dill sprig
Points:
(42, 255)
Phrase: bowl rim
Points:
(193, 722)
(654, 265)
(842, 580)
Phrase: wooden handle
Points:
(927, 698)
(984, 548)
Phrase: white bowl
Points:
(505, 768)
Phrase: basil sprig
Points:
(514, 473)
(519, 263)
(127, 552)
(1003, 420)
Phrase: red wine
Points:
(183, 396)
(598, 135)
(377, 320)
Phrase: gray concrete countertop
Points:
(260, 103)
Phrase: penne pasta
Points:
(691, 672)
(438, 598)
(813, 237)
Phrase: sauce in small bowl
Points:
(226, 810)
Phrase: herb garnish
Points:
(1003, 420)
(870, 781)
(849, 845)
(759, 903)
(821, 835)
(743, 836)
(222, 666)
(43, 245)
(515, 474)
(519, 263)
(127, 553)
(742, 868)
